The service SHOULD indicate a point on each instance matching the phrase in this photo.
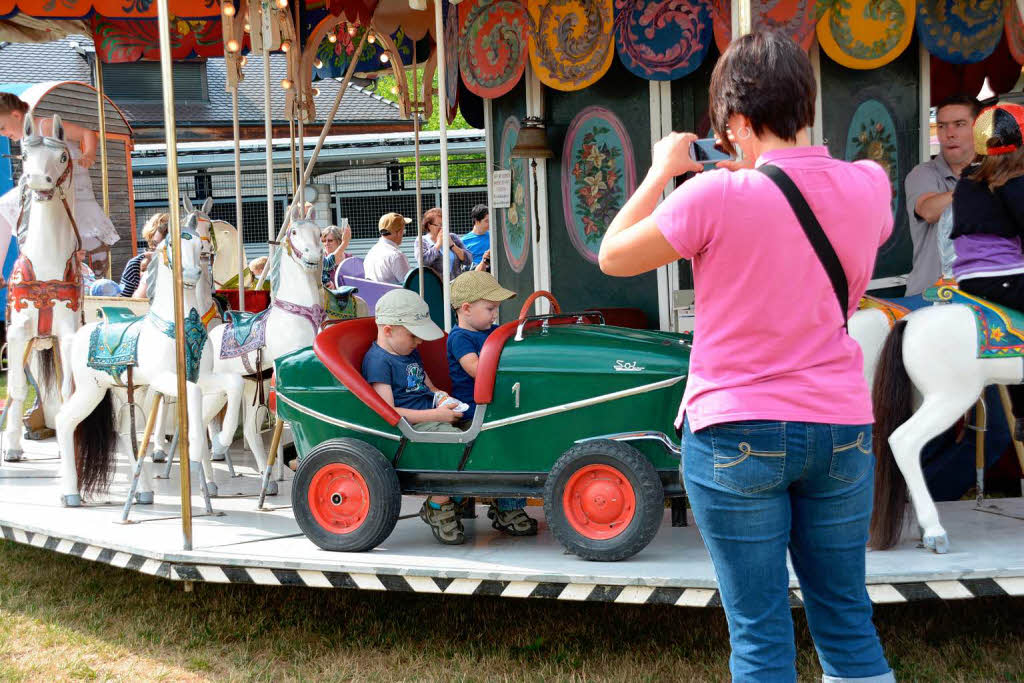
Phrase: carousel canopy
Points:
(569, 45)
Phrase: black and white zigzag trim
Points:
(883, 593)
(139, 563)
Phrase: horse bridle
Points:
(66, 176)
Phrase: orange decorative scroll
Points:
(571, 46)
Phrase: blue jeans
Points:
(760, 487)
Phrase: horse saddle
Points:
(1000, 330)
(245, 332)
(114, 342)
(341, 304)
(891, 309)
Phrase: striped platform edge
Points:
(880, 593)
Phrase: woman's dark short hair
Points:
(478, 213)
(768, 78)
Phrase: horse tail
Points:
(892, 397)
(95, 437)
(47, 366)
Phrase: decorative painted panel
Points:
(960, 31)
(795, 18)
(865, 34)
(492, 45)
(598, 175)
(451, 59)
(1014, 27)
(128, 40)
(515, 220)
(571, 41)
(662, 40)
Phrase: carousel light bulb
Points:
(352, 31)
(286, 83)
(286, 45)
(371, 39)
(246, 27)
(384, 57)
(394, 90)
(233, 45)
(316, 92)
(332, 38)
(228, 9)
(318, 64)
(282, 3)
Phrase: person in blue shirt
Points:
(394, 369)
(475, 298)
(478, 240)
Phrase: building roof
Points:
(69, 59)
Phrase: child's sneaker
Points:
(443, 521)
(512, 522)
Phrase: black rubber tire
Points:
(647, 488)
(381, 482)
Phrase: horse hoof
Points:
(14, 455)
(272, 488)
(143, 497)
(937, 542)
(211, 488)
(159, 456)
(72, 500)
(217, 456)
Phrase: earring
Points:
(740, 134)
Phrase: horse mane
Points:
(274, 269)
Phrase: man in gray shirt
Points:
(930, 186)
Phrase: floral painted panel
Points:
(515, 220)
(492, 45)
(598, 176)
(571, 41)
(662, 40)
(335, 57)
(872, 135)
(795, 18)
(865, 34)
(960, 31)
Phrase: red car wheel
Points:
(599, 501)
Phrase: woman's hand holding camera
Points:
(671, 156)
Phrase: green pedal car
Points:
(569, 409)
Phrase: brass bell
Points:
(533, 140)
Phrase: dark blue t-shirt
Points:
(460, 342)
(405, 374)
(476, 245)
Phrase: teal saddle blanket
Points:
(1000, 330)
(114, 343)
(244, 332)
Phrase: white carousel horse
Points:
(102, 357)
(46, 286)
(949, 355)
(298, 306)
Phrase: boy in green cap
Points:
(476, 296)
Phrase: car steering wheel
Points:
(555, 308)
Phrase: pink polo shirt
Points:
(769, 342)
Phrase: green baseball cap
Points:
(405, 307)
(474, 285)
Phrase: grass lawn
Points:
(65, 618)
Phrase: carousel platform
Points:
(242, 545)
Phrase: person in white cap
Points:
(394, 369)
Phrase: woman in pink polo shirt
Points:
(776, 416)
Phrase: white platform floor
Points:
(244, 545)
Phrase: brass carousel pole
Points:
(102, 115)
(238, 198)
(167, 82)
(442, 105)
(414, 103)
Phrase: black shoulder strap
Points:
(815, 235)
